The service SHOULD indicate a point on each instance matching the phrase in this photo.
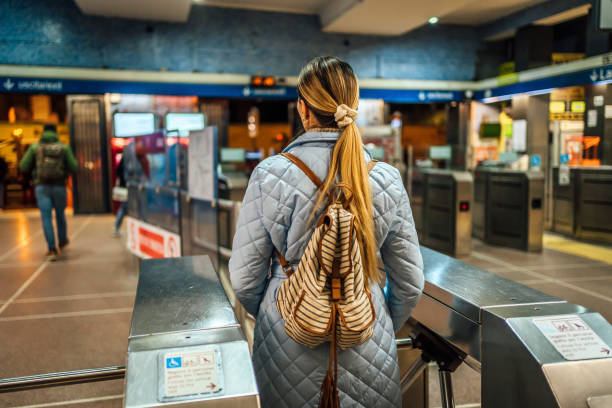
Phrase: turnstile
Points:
(509, 208)
(582, 206)
(533, 350)
(441, 204)
(186, 347)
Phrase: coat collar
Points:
(313, 137)
(318, 136)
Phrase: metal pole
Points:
(415, 370)
(404, 342)
(62, 378)
(446, 389)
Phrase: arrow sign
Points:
(8, 84)
(605, 350)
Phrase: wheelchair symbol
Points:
(173, 362)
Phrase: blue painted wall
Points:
(55, 33)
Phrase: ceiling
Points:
(378, 17)
(480, 12)
(155, 10)
(286, 6)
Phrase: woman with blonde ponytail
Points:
(279, 214)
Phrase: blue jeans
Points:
(51, 197)
(120, 214)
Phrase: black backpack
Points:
(50, 163)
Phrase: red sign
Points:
(150, 243)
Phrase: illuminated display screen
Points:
(440, 152)
(556, 107)
(229, 155)
(577, 106)
(184, 122)
(133, 124)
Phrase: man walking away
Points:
(50, 163)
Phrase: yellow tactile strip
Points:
(583, 249)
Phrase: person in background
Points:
(50, 162)
(3, 172)
(133, 167)
(123, 206)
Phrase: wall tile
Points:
(56, 33)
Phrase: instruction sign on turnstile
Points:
(189, 373)
(572, 337)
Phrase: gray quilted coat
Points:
(276, 207)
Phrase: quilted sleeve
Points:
(403, 263)
(251, 249)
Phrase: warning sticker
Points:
(572, 337)
(190, 372)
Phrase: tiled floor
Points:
(75, 313)
(65, 315)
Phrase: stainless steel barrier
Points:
(509, 208)
(441, 203)
(583, 202)
(533, 350)
(186, 346)
(33, 382)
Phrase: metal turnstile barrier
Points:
(582, 204)
(186, 347)
(509, 208)
(532, 349)
(441, 203)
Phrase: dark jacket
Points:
(28, 162)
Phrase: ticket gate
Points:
(532, 349)
(509, 208)
(583, 202)
(441, 209)
(186, 347)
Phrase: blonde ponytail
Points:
(326, 83)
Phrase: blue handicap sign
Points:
(535, 160)
(174, 362)
(564, 158)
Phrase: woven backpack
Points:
(326, 299)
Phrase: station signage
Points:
(544, 85)
(32, 85)
(88, 86)
(148, 241)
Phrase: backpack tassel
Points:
(329, 388)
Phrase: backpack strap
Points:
(284, 264)
(371, 164)
(313, 177)
(317, 182)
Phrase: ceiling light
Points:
(433, 20)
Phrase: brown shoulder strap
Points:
(313, 177)
(371, 164)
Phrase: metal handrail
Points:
(91, 375)
(62, 378)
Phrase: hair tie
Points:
(344, 115)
